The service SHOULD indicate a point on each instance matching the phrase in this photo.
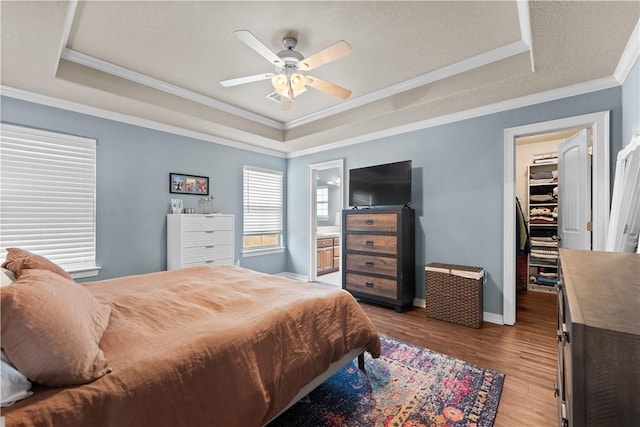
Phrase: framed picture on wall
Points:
(180, 183)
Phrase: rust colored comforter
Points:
(204, 346)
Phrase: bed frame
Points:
(332, 369)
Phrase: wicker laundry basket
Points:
(454, 293)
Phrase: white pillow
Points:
(7, 277)
(15, 386)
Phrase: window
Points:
(48, 196)
(262, 219)
(322, 202)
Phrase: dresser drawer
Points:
(372, 243)
(325, 243)
(372, 264)
(206, 254)
(206, 222)
(372, 222)
(192, 239)
(371, 285)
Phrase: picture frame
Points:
(180, 183)
(176, 206)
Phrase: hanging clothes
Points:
(523, 246)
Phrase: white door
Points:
(574, 191)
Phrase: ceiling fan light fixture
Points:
(297, 82)
(289, 84)
(279, 82)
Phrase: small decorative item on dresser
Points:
(188, 184)
(176, 206)
(454, 293)
(204, 203)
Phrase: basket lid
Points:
(457, 270)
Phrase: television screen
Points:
(382, 185)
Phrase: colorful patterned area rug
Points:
(408, 386)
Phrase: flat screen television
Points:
(381, 185)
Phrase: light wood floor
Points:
(525, 353)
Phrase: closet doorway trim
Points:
(600, 197)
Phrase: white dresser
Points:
(194, 239)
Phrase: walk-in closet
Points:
(537, 210)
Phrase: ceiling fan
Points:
(289, 79)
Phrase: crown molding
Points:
(629, 55)
(49, 101)
(524, 101)
(524, 18)
(468, 64)
(143, 79)
(66, 29)
(551, 95)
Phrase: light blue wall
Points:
(133, 165)
(631, 104)
(457, 185)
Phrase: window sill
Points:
(85, 272)
(247, 253)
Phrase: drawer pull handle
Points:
(369, 263)
(208, 261)
(209, 247)
(369, 284)
(369, 243)
(369, 222)
(209, 231)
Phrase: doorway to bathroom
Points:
(326, 195)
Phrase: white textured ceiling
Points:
(411, 61)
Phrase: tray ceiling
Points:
(161, 62)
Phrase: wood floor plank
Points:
(525, 353)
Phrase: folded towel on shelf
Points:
(548, 275)
(544, 256)
(549, 251)
(543, 261)
(546, 281)
(542, 220)
(536, 242)
(544, 175)
(540, 212)
(553, 238)
(542, 197)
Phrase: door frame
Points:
(600, 189)
(313, 174)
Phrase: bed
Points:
(207, 345)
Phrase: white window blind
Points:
(48, 196)
(262, 201)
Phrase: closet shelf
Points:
(546, 209)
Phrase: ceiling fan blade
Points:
(329, 88)
(331, 53)
(247, 79)
(255, 44)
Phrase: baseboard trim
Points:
(486, 316)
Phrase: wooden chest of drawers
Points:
(199, 239)
(378, 256)
(598, 377)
